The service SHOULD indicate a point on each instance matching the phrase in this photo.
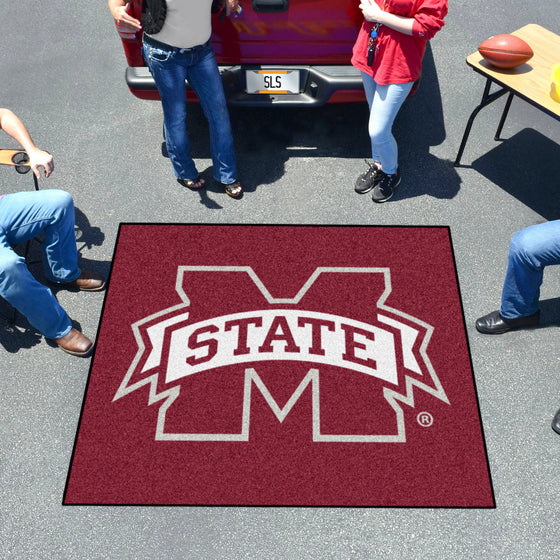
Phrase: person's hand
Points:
(231, 6)
(39, 158)
(371, 11)
(124, 19)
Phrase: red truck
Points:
(277, 52)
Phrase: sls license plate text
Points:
(273, 81)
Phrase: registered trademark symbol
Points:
(425, 419)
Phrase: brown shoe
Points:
(75, 343)
(88, 281)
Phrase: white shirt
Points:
(187, 23)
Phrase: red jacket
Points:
(398, 57)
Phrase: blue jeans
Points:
(170, 68)
(384, 104)
(23, 216)
(530, 250)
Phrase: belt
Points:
(164, 46)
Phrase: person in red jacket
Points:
(389, 51)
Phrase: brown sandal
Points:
(235, 190)
(193, 184)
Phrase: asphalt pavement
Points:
(62, 71)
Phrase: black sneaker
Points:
(386, 187)
(366, 181)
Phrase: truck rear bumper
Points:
(318, 85)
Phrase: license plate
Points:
(272, 81)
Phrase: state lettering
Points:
(290, 335)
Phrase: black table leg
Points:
(487, 98)
(504, 116)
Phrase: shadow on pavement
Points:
(86, 233)
(265, 138)
(527, 166)
(18, 335)
(420, 125)
(550, 312)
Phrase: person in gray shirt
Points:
(177, 47)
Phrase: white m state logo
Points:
(392, 347)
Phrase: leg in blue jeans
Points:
(170, 69)
(206, 82)
(531, 250)
(22, 217)
(384, 104)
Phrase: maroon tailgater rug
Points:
(281, 365)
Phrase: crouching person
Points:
(25, 215)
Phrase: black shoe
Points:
(556, 422)
(366, 181)
(494, 323)
(386, 187)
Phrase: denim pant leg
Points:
(25, 215)
(530, 251)
(22, 217)
(384, 103)
(169, 70)
(205, 80)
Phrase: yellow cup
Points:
(555, 88)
